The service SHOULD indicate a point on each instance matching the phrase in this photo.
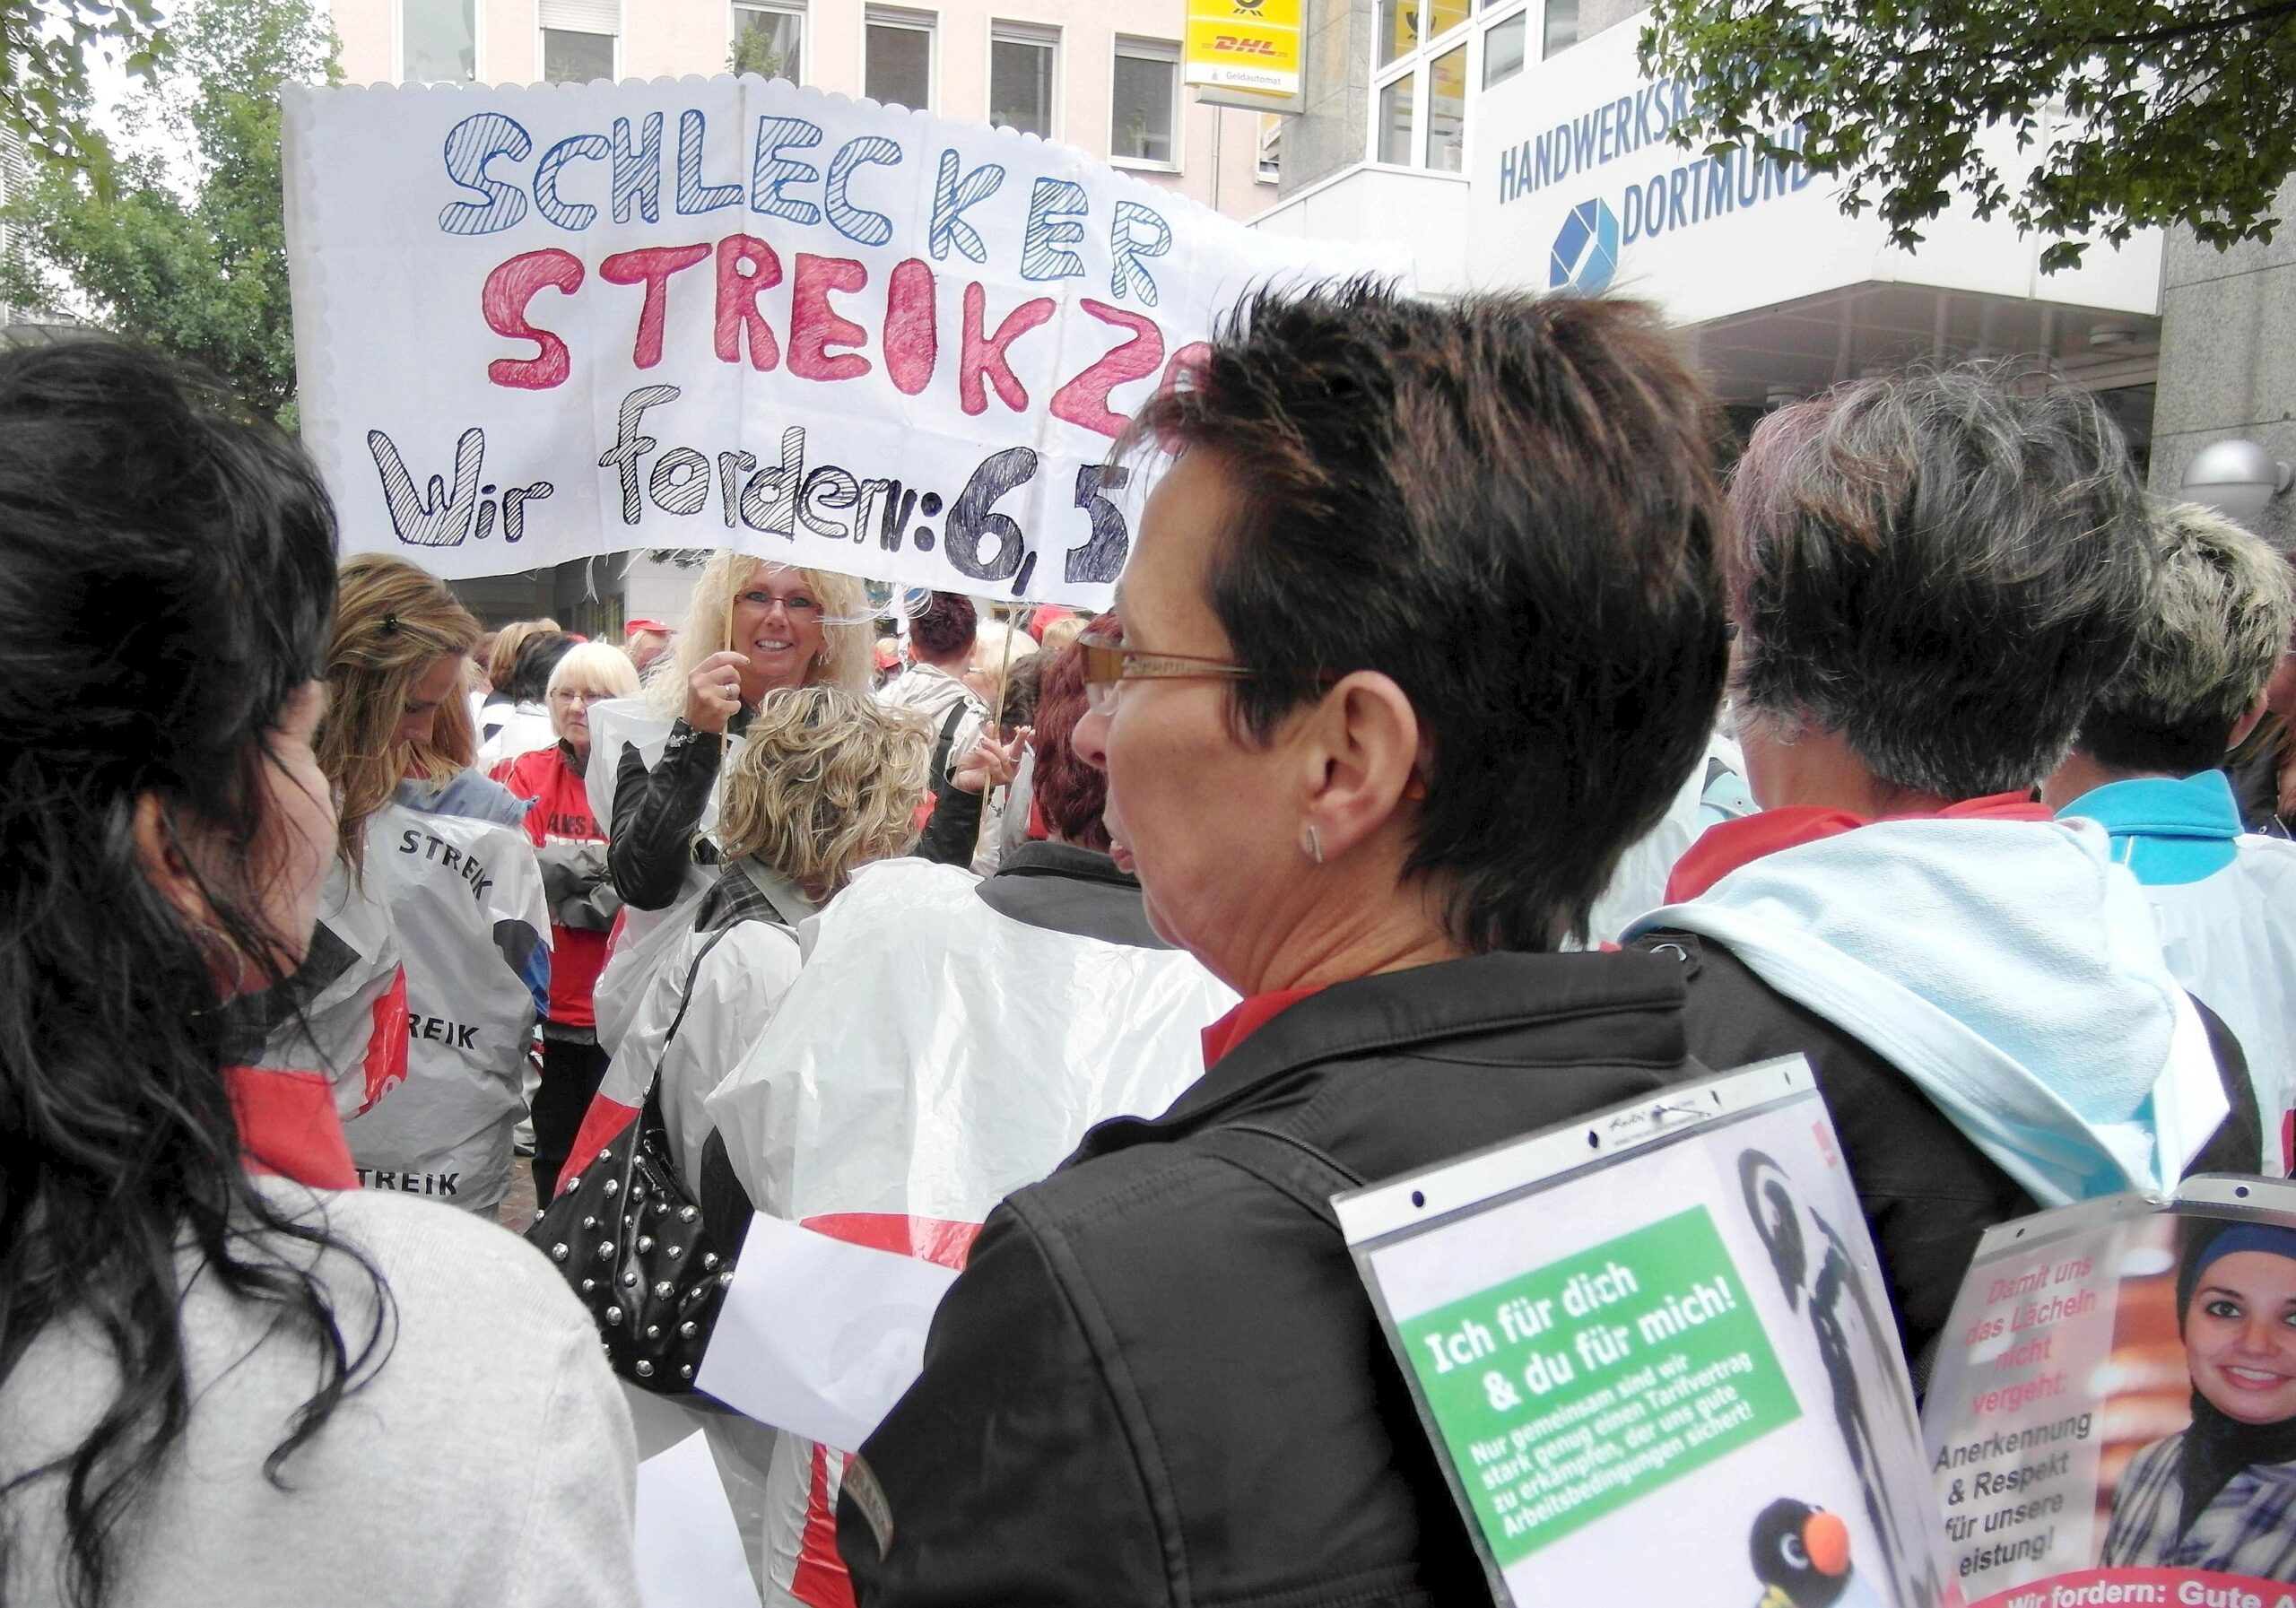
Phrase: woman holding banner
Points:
(2221, 1495)
(751, 628)
(215, 1339)
(654, 768)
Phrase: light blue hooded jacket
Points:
(2010, 969)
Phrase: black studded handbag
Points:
(628, 1236)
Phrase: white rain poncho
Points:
(442, 956)
(934, 1056)
(353, 1029)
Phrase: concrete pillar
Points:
(2228, 356)
(1331, 133)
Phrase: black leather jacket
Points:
(657, 813)
(1159, 1380)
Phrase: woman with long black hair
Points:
(227, 1374)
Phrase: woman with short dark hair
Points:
(228, 1374)
(941, 637)
(530, 725)
(1933, 577)
(1421, 627)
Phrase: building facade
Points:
(1519, 145)
(1100, 76)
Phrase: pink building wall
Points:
(1216, 150)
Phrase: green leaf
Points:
(2174, 111)
(200, 273)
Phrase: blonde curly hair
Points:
(849, 630)
(829, 781)
(392, 623)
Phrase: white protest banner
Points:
(2112, 1417)
(532, 325)
(1655, 1354)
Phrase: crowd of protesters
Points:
(1468, 753)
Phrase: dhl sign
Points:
(1247, 45)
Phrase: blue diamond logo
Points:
(1586, 251)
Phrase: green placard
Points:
(1568, 1392)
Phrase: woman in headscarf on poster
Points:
(2221, 1495)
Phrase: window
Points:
(1561, 27)
(1396, 118)
(1434, 54)
(1146, 97)
(1502, 50)
(1271, 147)
(438, 41)
(577, 39)
(900, 66)
(1020, 78)
(1399, 29)
(1446, 111)
(768, 40)
(571, 57)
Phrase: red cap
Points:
(635, 626)
(1045, 615)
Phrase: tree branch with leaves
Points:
(45, 46)
(2126, 114)
(177, 235)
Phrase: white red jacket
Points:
(435, 966)
(934, 1056)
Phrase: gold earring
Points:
(207, 939)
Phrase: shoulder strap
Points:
(948, 739)
(651, 1110)
(686, 998)
(1284, 1163)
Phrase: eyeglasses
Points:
(799, 606)
(584, 696)
(1108, 665)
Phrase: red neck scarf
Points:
(1735, 843)
(288, 1128)
(1248, 1018)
